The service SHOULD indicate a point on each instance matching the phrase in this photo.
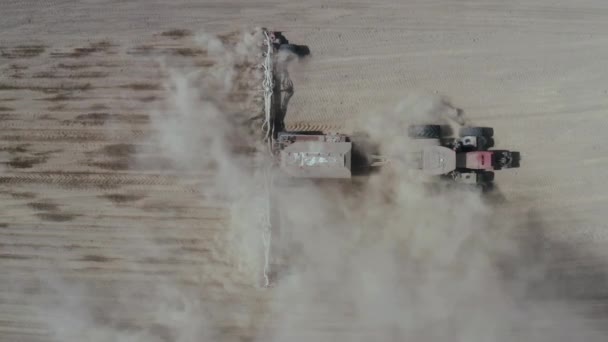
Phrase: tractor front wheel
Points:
(487, 132)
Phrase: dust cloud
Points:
(204, 130)
(394, 261)
(386, 260)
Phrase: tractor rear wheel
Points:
(424, 131)
(516, 157)
(485, 177)
(487, 132)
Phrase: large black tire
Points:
(424, 131)
(362, 148)
(299, 50)
(516, 158)
(485, 177)
(477, 131)
(484, 143)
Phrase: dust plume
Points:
(203, 129)
(387, 260)
(393, 261)
(383, 260)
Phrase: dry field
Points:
(103, 239)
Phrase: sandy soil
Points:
(78, 80)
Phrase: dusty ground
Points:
(78, 81)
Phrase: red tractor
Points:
(466, 159)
